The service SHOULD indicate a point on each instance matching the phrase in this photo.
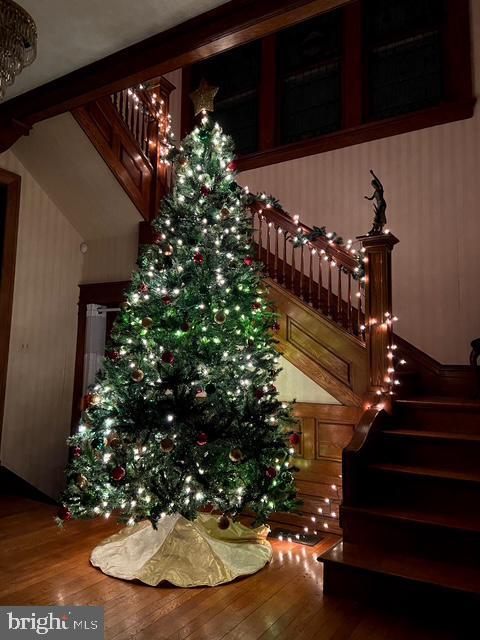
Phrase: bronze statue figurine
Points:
(379, 206)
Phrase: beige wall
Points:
(42, 343)
(110, 259)
(292, 384)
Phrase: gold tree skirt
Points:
(186, 554)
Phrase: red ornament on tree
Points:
(113, 355)
(87, 400)
(118, 474)
(64, 513)
(198, 258)
(185, 326)
(276, 327)
(204, 190)
(76, 451)
(143, 288)
(295, 438)
(232, 166)
(256, 305)
(202, 439)
(259, 393)
(166, 299)
(168, 357)
(270, 472)
(248, 261)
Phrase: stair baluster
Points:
(329, 291)
(308, 280)
(302, 266)
(339, 295)
(268, 260)
(349, 303)
(275, 264)
(310, 276)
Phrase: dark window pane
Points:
(310, 42)
(404, 56)
(390, 20)
(237, 74)
(309, 78)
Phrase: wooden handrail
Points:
(284, 220)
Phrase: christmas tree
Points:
(185, 415)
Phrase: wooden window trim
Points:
(12, 182)
(430, 117)
(458, 105)
(101, 293)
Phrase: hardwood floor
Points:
(42, 565)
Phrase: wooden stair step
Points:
(430, 413)
(465, 522)
(426, 531)
(440, 402)
(437, 573)
(433, 435)
(449, 451)
(427, 472)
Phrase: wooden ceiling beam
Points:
(222, 28)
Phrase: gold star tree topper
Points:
(203, 97)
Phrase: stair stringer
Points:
(317, 346)
(104, 127)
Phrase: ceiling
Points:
(73, 33)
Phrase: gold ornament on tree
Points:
(166, 248)
(81, 481)
(166, 445)
(137, 375)
(147, 322)
(236, 455)
(113, 441)
(203, 97)
(220, 317)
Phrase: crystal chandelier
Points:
(18, 42)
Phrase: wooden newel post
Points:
(378, 304)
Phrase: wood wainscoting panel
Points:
(313, 348)
(325, 430)
(321, 349)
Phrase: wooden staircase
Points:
(411, 477)
(410, 513)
